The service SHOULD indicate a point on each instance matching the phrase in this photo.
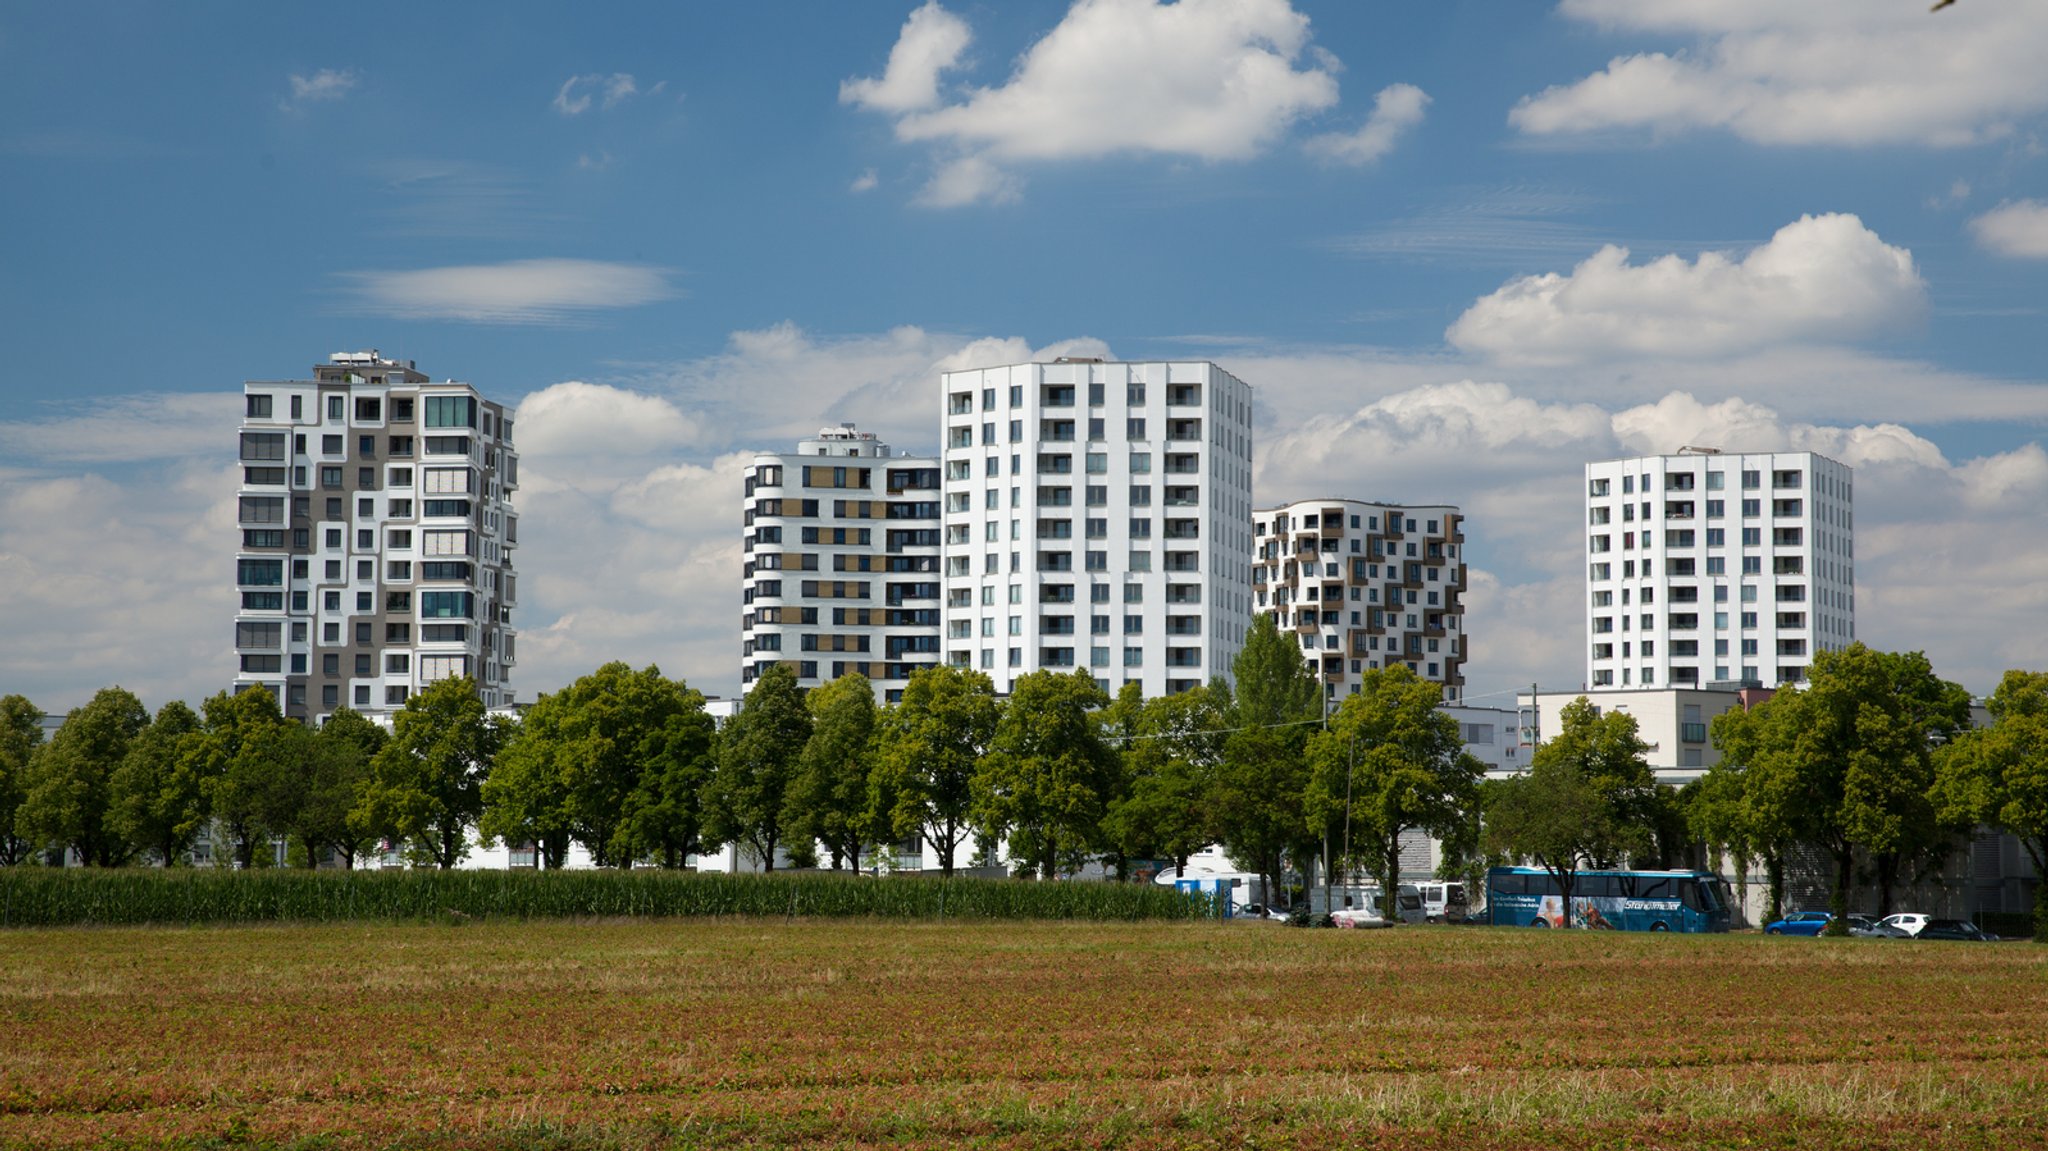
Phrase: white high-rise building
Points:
(1364, 586)
(1710, 568)
(1098, 515)
(842, 562)
(377, 537)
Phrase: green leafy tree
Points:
(1048, 775)
(1392, 761)
(932, 741)
(1172, 750)
(155, 799)
(66, 796)
(338, 772)
(1586, 801)
(665, 814)
(1262, 782)
(829, 801)
(1998, 775)
(426, 786)
(757, 758)
(21, 732)
(1847, 762)
(578, 767)
(241, 759)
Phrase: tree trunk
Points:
(1845, 866)
(1774, 887)
(1887, 878)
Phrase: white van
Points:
(1444, 902)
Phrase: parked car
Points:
(1800, 923)
(1909, 922)
(1259, 911)
(1864, 927)
(1954, 929)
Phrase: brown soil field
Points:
(823, 1033)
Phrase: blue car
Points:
(1800, 923)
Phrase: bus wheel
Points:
(1539, 923)
(1659, 927)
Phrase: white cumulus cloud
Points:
(1398, 108)
(1207, 79)
(1820, 278)
(2017, 228)
(1829, 72)
(540, 291)
(931, 42)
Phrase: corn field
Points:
(49, 897)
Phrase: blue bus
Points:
(1610, 900)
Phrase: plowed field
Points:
(836, 1033)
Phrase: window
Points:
(263, 445)
(260, 573)
(1134, 428)
(447, 605)
(257, 405)
(451, 412)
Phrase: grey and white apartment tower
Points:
(377, 538)
(841, 569)
(1097, 515)
(1365, 586)
(1710, 568)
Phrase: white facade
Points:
(1707, 568)
(1097, 515)
(377, 534)
(1364, 586)
(1677, 723)
(842, 562)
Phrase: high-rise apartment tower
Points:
(1364, 586)
(376, 537)
(1097, 515)
(1707, 567)
(842, 562)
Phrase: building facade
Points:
(1709, 568)
(1364, 586)
(841, 569)
(377, 532)
(1097, 515)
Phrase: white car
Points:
(1909, 922)
(1358, 917)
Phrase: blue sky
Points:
(680, 232)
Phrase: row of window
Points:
(1062, 396)
(1784, 479)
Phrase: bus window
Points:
(1654, 887)
(1689, 895)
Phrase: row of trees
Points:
(629, 765)
(1875, 762)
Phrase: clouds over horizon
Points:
(1818, 279)
(1831, 72)
(1209, 80)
